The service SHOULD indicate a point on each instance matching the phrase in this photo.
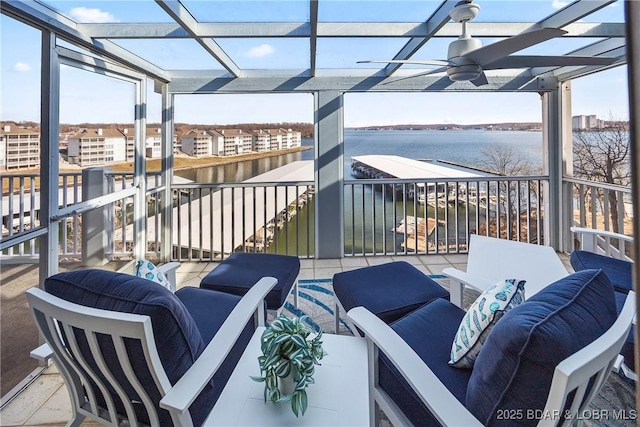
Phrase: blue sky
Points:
(90, 98)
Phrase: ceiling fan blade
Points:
(424, 73)
(434, 62)
(481, 80)
(494, 51)
(525, 61)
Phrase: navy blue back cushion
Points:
(617, 270)
(515, 367)
(177, 338)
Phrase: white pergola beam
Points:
(292, 82)
(313, 36)
(573, 12)
(433, 24)
(182, 16)
(163, 30)
(40, 16)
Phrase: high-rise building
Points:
(585, 122)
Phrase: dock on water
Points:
(211, 226)
(390, 166)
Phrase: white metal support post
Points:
(557, 151)
(329, 175)
(139, 171)
(49, 154)
(167, 173)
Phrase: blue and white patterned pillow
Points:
(480, 319)
(147, 270)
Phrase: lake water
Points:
(464, 147)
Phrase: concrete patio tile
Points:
(354, 262)
(326, 263)
(306, 263)
(306, 273)
(191, 267)
(456, 258)
(437, 268)
(460, 266)
(23, 406)
(326, 273)
(432, 259)
(413, 260)
(379, 260)
(187, 279)
(209, 267)
(57, 409)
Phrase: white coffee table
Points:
(339, 396)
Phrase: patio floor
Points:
(45, 401)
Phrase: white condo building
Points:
(199, 143)
(153, 142)
(97, 146)
(19, 148)
(230, 142)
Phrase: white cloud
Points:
(21, 67)
(559, 4)
(260, 51)
(84, 14)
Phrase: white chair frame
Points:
(573, 373)
(52, 315)
(599, 242)
(491, 259)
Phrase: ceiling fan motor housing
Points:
(461, 68)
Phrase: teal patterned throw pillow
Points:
(147, 270)
(480, 319)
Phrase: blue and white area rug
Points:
(614, 406)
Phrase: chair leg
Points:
(295, 294)
(336, 318)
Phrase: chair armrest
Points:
(589, 241)
(184, 392)
(440, 401)
(169, 270)
(474, 281)
(603, 233)
(459, 279)
(42, 353)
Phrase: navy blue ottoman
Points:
(238, 273)
(388, 290)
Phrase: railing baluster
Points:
(373, 218)
(364, 245)
(384, 219)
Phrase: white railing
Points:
(428, 216)
(382, 216)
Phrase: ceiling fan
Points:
(467, 59)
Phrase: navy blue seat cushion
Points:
(238, 273)
(209, 310)
(429, 331)
(617, 270)
(177, 338)
(389, 290)
(516, 365)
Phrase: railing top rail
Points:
(443, 180)
(604, 185)
(196, 185)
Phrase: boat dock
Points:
(263, 210)
(389, 166)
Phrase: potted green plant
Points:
(289, 355)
